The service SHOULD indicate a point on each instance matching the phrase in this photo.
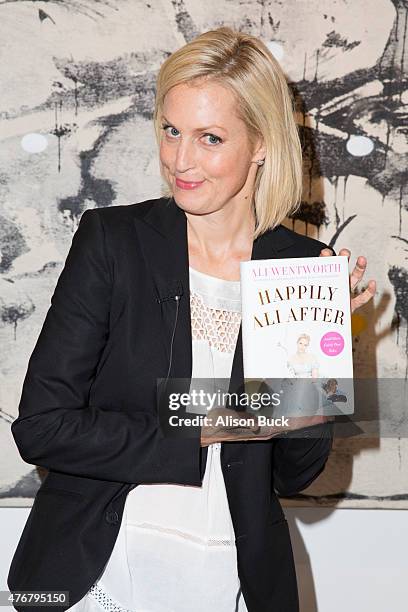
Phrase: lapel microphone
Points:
(173, 291)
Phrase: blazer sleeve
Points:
(300, 457)
(56, 427)
(298, 461)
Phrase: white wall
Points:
(351, 560)
(347, 560)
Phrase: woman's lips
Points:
(188, 184)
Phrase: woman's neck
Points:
(218, 242)
(222, 232)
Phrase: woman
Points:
(303, 364)
(129, 518)
(302, 395)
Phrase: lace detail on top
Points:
(215, 306)
(219, 327)
(104, 600)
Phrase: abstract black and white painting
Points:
(77, 84)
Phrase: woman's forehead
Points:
(207, 104)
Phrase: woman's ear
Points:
(259, 150)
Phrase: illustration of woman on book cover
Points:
(303, 364)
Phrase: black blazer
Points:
(88, 410)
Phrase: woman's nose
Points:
(185, 158)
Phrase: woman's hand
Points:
(249, 429)
(211, 432)
(355, 277)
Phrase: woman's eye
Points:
(172, 130)
(212, 136)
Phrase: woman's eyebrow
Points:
(199, 129)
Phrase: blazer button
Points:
(112, 517)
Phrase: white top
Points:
(175, 551)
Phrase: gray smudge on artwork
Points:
(12, 243)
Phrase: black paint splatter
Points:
(101, 191)
(313, 213)
(12, 243)
(26, 487)
(333, 39)
(61, 129)
(42, 15)
(399, 279)
(83, 7)
(184, 21)
(13, 308)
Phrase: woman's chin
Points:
(192, 205)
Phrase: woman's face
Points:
(302, 345)
(205, 150)
(332, 386)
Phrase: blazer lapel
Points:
(163, 240)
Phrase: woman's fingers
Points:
(364, 297)
(356, 277)
(329, 253)
(358, 272)
(326, 253)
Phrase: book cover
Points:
(296, 332)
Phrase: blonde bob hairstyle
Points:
(303, 337)
(244, 64)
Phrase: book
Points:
(296, 332)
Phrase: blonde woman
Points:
(129, 518)
(302, 363)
